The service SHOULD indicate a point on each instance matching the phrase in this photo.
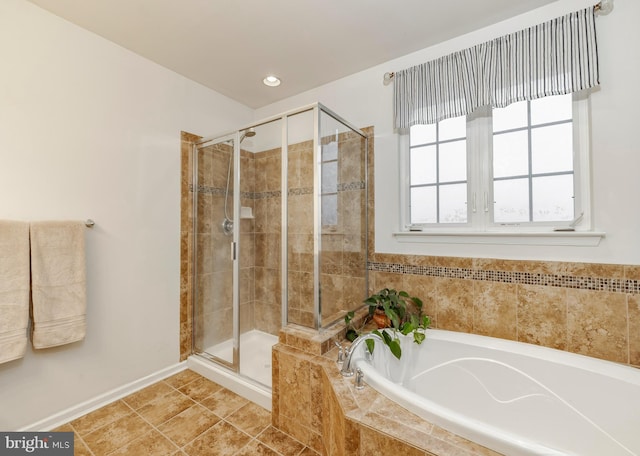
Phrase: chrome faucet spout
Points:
(346, 370)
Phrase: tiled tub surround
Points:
(316, 405)
(590, 309)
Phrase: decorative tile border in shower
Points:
(262, 195)
(300, 191)
(524, 278)
(349, 186)
(206, 189)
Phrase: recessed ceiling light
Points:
(271, 81)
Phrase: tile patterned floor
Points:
(185, 414)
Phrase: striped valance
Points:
(553, 58)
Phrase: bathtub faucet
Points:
(346, 370)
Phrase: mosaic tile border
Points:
(205, 189)
(300, 191)
(524, 278)
(351, 186)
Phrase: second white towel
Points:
(58, 283)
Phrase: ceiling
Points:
(231, 45)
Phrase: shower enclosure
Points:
(280, 234)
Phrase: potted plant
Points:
(401, 313)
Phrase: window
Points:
(438, 163)
(329, 186)
(523, 167)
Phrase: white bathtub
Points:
(514, 398)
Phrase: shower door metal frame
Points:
(317, 225)
(317, 108)
(234, 365)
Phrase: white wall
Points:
(90, 130)
(364, 100)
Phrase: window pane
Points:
(422, 134)
(453, 161)
(513, 116)
(552, 148)
(423, 165)
(511, 201)
(510, 154)
(453, 203)
(551, 109)
(553, 198)
(330, 177)
(423, 205)
(330, 151)
(329, 208)
(452, 128)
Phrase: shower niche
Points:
(279, 234)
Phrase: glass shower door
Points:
(215, 332)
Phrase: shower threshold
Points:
(254, 381)
(255, 354)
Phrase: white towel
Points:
(58, 283)
(14, 289)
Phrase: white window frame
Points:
(480, 227)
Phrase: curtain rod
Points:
(603, 7)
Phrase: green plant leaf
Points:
(351, 335)
(408, 327)
(348, 317)
(386, 338)
(371, 344)
(404, 294)
(394, 346)
(393, 316)
(418, 337)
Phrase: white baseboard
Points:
(101, 400)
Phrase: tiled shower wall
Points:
(343, 260)
(268, 203)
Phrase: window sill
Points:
(567, 238)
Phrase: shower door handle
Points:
(233, 251)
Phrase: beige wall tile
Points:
(423, 288)
(633, 303)
(632, 272)
(295, 393)
(495, 309)
(597, 324)
(542, 316)
(455, 305)
(373, 441)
